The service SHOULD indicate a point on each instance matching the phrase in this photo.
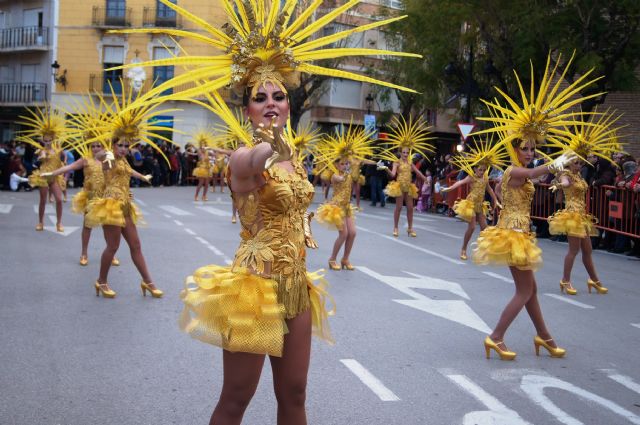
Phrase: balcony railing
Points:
(24, 38)
(152, 17)
(111, 17)
(23, 93)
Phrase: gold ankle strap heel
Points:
(505, 354)
(597, 285)
(553, 351)
(104, 289)
(567, 287)
(155, 292)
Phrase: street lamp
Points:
(368, 101)
(59, 79)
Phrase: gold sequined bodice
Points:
(117, 181)
(517, 204)
(342, 192)
(355, 169)
(220, 160)
(93, 178)
(51, 161)
(478, 189)
(404, 173)
(575, 194)
(272, 234)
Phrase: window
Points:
(162, 73)
(165, 12)
(116, 12)
(112, 56)
(346, 94)
(394, 4)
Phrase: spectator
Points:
(18, 180)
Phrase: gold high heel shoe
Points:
(463, 255)
(195, 198)
(59, 228)
(395, 232)
(347, 265)
(204, 199)
(84, 260)
(411, 233)
(553, 351)
(104, 288)
(567, 287)
(597, 285)
(115, 262)
(489, 344)
(39, 227)
(155, 293)
(233, 219)
(333, 265)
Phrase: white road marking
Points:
(167, 216)
(417, 248)
(622, 380)
(5, 208)
(215, 250)
(367, 378)
(178, 222)
(437, 232)
(377, 217)
(570, 301)
(498, 413)
(215, 211)
(499, 277)
(189, 231)
(454, 310)
(203, 241)
(175, 210)
(141, 202)
(67, 229)
(49, 208)
(637, 325)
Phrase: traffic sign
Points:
(465, 129)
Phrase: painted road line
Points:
(67, 229)
(417, 248)
(203, 241)
(5, 208)
(622, 380)
(570, 301)
(189, 231)
(175, 210)
(215, 211)
(141, 202)
(167, 216)
(637, 325)
(437, 232)
(178, 222)
(215, 250)
(499, 277)
(377, 217)
(374, 384)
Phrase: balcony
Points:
(152, 17)
(22, 39)
(14, 94)
(111, 17)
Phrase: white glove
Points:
(560, 162)
(381, 166)
(148, 178)
(108, 157)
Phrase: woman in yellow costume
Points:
(342, 150)
(204, 170)
(46, 131)
(265, 302)
(407, 137)
(219, 171)
(542, 117)
(595, 138)
(474, 208)
(115, 210)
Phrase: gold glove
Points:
(273, 135)
(555, 186)
(309, 241)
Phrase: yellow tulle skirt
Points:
(361, 180)
(466, 209)
(332, 216)
(498, 246)
(573, 223)
(109, 211)
(79, 202)
(326, 175)
(35, 180)
(240, 311)
(395, 189)
(202, 172)
(219, 169)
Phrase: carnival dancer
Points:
(597, 137)
(47, 132)
(204, 170)
(219, 170)
(406, 138)
(346, 147)
(476, 163)
(247, 307)
(541, 117)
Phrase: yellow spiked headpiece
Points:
(483, 152)
(413, 135)
(352, 142)
(43, 122)
(304, 140)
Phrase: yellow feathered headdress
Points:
(264, 41)
(304, 139)
(204, 137)
(412, 134)
(483, 152)
(351, 143)
(235, 130)
(43, 122)
(544, 115)
(88, 120)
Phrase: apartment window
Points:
(346, 94)
(112, 56)
(165, 12)
(116, 12)
(162, 73)
(394, 4)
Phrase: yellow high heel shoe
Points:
(84, 260)
(115, 262)
(39, 227)
(205, 199)
(411, 233)
(489, 345)
(346, 265)
(195, 198)
(155, 293)
(597, 285)
(104, 288)
(463, 255)
(59, 228)
(233, 219)
(553, 351)
(395, 232)
(333, 265)
(567, 287)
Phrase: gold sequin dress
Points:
(242, 308)
(93, 186)
(356, 176)
(574, 220)
(474, 203)
(203, 168)
(333, 213)
(402, 184)
(220, 165)
(49, 162)
(115, 205)
(511, 241)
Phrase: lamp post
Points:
(59, 79)
(369, 103)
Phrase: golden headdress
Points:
(304, 139)
(483, 152)
(353, 142)
(204, 137)
(412, 134)
(87, 121)
(263, 41)
(544, 115)
(43, 122)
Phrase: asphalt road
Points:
(409, 328)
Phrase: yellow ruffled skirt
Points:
(395, 189)
(332, 215)
(79, 202)
(466, 209)
(326, 175)
(498, 246)
(109, 211)
(240, 311)
(202, 172)
(361, 180)
(573, 223)
(35, 180)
